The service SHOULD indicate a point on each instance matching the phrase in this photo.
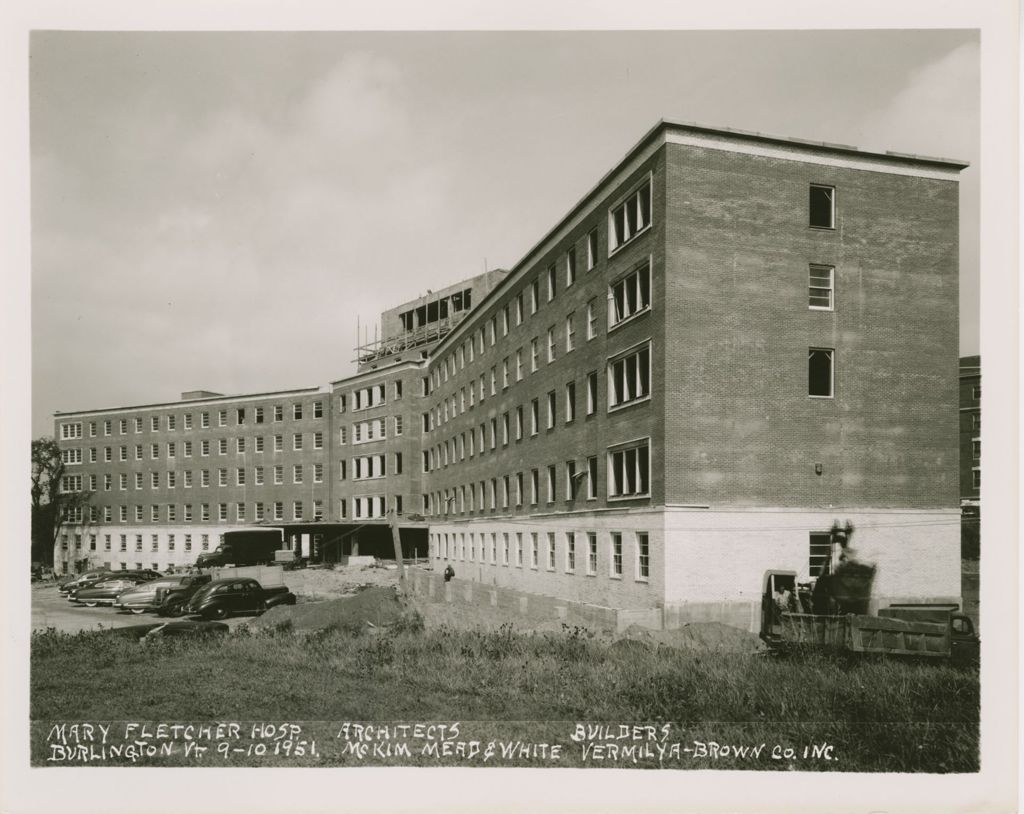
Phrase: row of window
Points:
(628, 378)
(170, 541)
(260, 415)
(74, 483)
(186, 448)
(628, 297)
(628, 476)
(540, 550)
(168, 512)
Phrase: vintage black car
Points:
(76, 581)
(239, 595)
(166, 595)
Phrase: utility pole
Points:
(397, 540)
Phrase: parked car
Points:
(105, 591)
(166, 595)
(76, 581)
(223, 597)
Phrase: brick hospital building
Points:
(730, 342)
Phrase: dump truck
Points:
(937, 632)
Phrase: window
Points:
(629, 218)
(204, 477)
(643, 556)
(629, 378)
(69, 431)
(519, 364)
(278, 443)
(591, 553)
(976, 477)
(570, 332)
(297, 510)
(188, 421)
(297, 411)
(976, 392)
(629, 470)
(534, 354)
(240, 477)
(154, 480)
(820, 288)
(591, 249)
(123, 511)
(258, 415)
(258, 511)
(570, 552)
(187, 448)
(278, 412)
(630, 296)
(570, 480)
(107, 427)
(278, 474)
(122, 426)
(570, 402)
(297, 441)
(552, 478)
(616, 552)
(976, 449)
(222, 477)
(240, 445)
(107, 482)
(318, 406)
(591, 392)
(534, 296)
(222, 446)
(318, 440)
(551, 282)
(188, 478)
(820, 372)
(504, 321)
(519, 549)
(123, 481)
(823, 207)
(258, 476)
(204, 420)
(138, 480)
(222, 418)
(591, 320)
(551, 344)
(318, 510)
(204, 447)
(279, 510)
(154, 424)
(534, 416)
(592, 478)
(124, 453)
(519, 308)
(820, 553)
(188, 519)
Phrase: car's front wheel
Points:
(137, 611)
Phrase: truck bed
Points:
(866, 634)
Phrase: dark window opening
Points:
(822, 206)
(819, 372)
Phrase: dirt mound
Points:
(375, 606)
(700, 636)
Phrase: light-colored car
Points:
(165, 595)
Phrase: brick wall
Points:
(741, 427)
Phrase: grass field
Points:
(511, 692)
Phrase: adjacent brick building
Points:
(728, 343)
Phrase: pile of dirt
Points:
(703, 637)
(374, 607)
(313, 584)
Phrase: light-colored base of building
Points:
(704, 565)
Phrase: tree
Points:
(51, 505)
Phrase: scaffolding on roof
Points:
(429, 334)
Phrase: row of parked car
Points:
(173, 595)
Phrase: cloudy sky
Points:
(213, 210)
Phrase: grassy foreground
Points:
(495, 699)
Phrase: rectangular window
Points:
(570, 267)
(187, 448)
(297, 510)
(519, 364)
(551, 282)
(629, 218)
(570, 402)
(629, 471)
(616, 552)
(222, 477)
(570, 332)
(240, 512)
(519, 308)
(278, 412)
(240, 477)
(204, 447)
(279, 474)
(570, 552)
(222, 418)
(591, 249)
(258, 414)
(278, 443)
(107, 427)
(552, 480)
(591, 553)
(279, 510)
(504, 548)
(318, 473)
(204, 512)
(822, 207)
(188, 478)
(258, 512)
(318, 406)
(629, 296)
(820, 553)
(534, 355)
(591, 392)
(976, 477)
(629, 378)
(591, 320)
(222, 446)
(534, 296)
(976, 392)
(297, 411)
(820, 372)
(519, 423)
(551, 344)
(820, 288)
(318, 440)
(204, 420)
(204, 477)
(643, 556)
(534, 416)
(318, 510)
(592, 478)
(519, 549)
(570, 480)
(188, 513)
(258, 475)
(240, 445)
(976, 449)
